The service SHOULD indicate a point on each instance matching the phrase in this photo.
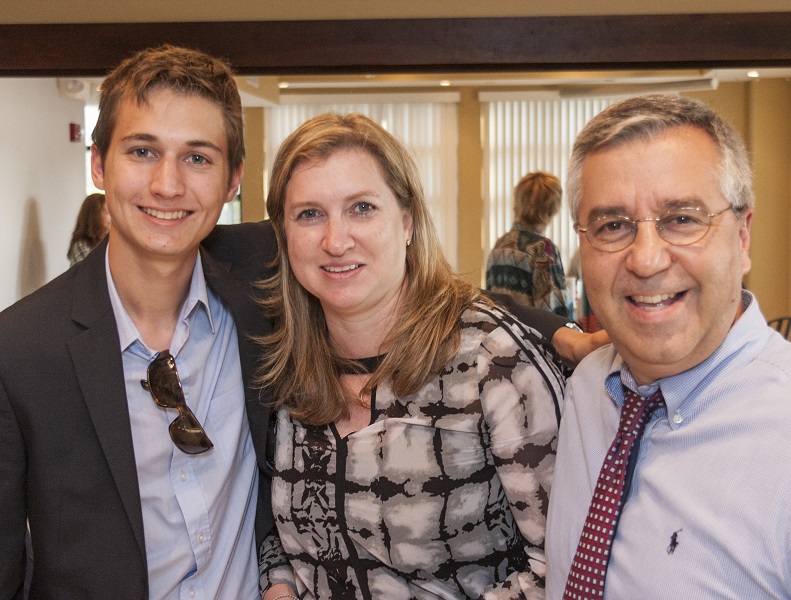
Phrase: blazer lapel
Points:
(239, 296)
(97, 361)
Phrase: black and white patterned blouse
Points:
(443, 495)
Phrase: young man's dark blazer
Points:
(66, 454)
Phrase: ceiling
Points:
(554, 80)
(297, 88)
(270, 90)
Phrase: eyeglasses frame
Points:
(658, 226)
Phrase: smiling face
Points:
(165, 176)
(346, 235)
(666, 308)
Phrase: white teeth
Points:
(340, 269)
(167, 216)
(653, 299)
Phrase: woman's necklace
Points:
(369, 365)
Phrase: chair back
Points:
(783, 325)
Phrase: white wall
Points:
(42, 183)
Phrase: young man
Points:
(696, 506)
(133, 486)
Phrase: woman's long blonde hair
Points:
(301, 364)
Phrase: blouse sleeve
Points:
(273, 565)
(521, 391)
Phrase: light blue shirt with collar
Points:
(709, 511)
(198, 510)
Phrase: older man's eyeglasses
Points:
(678, 226)
(165, 386)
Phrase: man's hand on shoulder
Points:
(574, 345)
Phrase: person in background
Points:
(129, 422)
(585, 317)
(524, 263)
(417, 421)
(93, 223)
(660, 188)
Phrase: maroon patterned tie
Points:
(586, 577)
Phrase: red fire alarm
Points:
(75, 132)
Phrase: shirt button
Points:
(677, 418)
(192, 593)
(201, 537)
(183, 476)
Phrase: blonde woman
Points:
(417, 421)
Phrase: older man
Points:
(672, 478)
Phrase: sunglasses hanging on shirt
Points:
(165, 386)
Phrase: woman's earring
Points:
(408, 242)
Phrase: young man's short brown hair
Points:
(178, 69)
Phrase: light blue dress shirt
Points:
(709, 512)
(198, 510)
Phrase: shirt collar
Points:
(127, 330)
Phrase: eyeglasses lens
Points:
(679, 227)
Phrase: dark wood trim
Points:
(414, 45)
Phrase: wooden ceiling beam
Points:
(414, 45)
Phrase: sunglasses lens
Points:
(188, 435)
(163, 381)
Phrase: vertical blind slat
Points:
(526, 136)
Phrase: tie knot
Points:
(637, 410)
